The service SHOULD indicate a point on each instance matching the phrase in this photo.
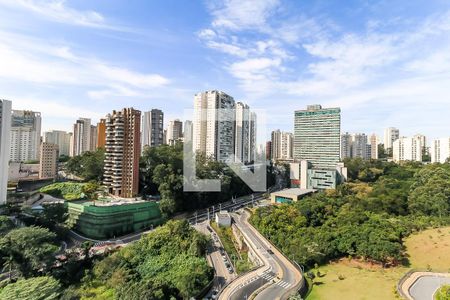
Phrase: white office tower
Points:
(60, 138)
(391, 134)
(242, 142)
(5, 131)
(282, 145)
(81, 137)
(374, 146)
(407, 149)
(440, 150)
(152, 128)
(174, 131)
(25, 135)
(214, 125)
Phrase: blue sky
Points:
(385, 63)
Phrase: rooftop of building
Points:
(294, 192)
(111, 201)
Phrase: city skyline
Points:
(102, 57)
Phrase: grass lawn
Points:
(429, 248)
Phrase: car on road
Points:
(214, 294)
(209, 229)
(230, 270)
(269, 251)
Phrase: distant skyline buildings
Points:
(355, 145)
(81, 138)
(407, 149)
(440, 150)
(174, 131)
(391, 134)
(152, 128)
(282, 145)
(25, 135)
(60, 138)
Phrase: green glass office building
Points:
(108, 218)
(317, 133)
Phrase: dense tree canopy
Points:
(168, 262)
(88, 166)
(36, 288)
(367, 218)
(162, 173)
(30, 249)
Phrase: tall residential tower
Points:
(152, 128)
(123, 149)
(25, 135)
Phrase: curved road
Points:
(277, 279)
(426, 285)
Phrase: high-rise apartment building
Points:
(174, 131)
(242, 133)
(5, 131)
(93, 138)
(391, 134)
(374, 146)
(355, 145)
(317, 136)
(101, 133)
(123, 149)
(346, 145)
(152, 128)
(440, 150)
(81, 138)
(282, 145)
(252, 138)
(60, 138)
(48, 164)
(407, 149)
(25, 135)
(214, 125)
(360, 146)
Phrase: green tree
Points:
(31, 248)
(37, 288)
(5, 224)
(430, 194)
(89, 165)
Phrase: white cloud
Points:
(227, 48)
(58, 11)
(206, 34)
(242, 14)
(37, 61)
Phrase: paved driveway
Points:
(425, 286)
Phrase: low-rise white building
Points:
(223, 218)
